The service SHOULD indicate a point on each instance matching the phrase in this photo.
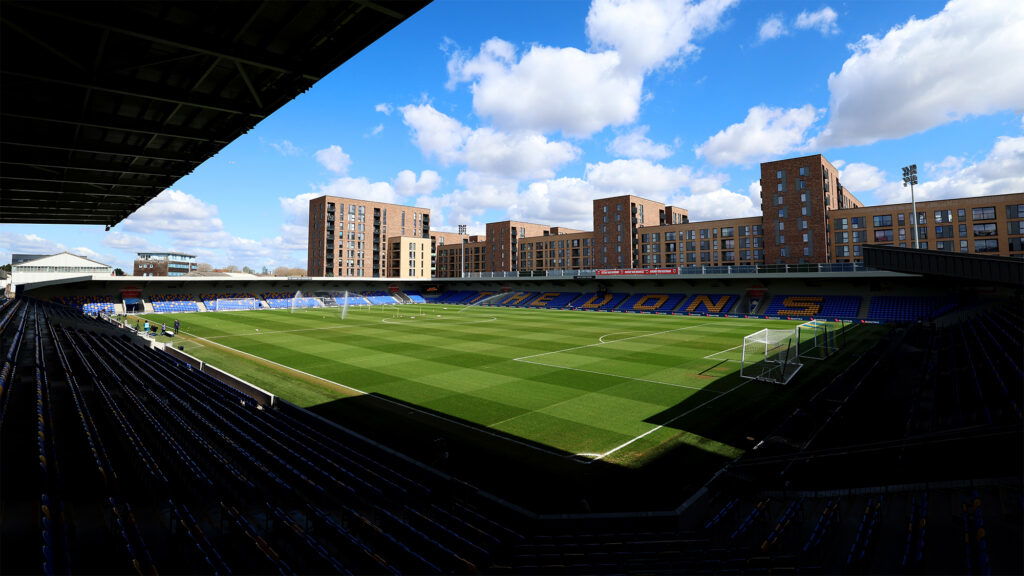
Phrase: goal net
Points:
(223, 304)
(771, 356)
(817, 339)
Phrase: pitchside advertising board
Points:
(636, 271)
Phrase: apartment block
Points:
(349, 238)
(409, 257)
(808, 216)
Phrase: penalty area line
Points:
(660, 426)
(410, 407)
(616, 376)
(523, 358)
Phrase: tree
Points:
(286, 271)
(118, 272)
(248, 270)
(204, 267)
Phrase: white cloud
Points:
(636, 144)
(824, 21)
(770, 29)
(556, 89)
(384, 108)
(651, 33)
(564, 202)
(434, 133)
(334, 159)
(718, 204)
(377, 129)
(579, 93)
(176, 212)
(519, 154)
(286, 148)
(861, 177)
(765, 133)
(406, 183)
(966, 60)
(15, 243)
(126, 242)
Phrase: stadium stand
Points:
(554, 300)
(415, 297)
(165, 303)
(279, 300)
(811, 306)
(908, 308)
(709, 304)
(88, 304)
(192, 476)
(651, 303)
(604, 301)
(379, 298)
(219, 302)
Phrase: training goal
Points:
(818, 340)
(771, 356)
(222, 304)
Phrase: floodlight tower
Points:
(910, 177)
(462, 234)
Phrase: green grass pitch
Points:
(593, 384)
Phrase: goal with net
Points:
(817, 339)
(223, 304)
(771, 356)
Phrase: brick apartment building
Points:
(351, 238)
(807, 217)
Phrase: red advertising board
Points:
(635, 271)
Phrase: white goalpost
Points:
(817, 339)
(771, 356)
(223, 304)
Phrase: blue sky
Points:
(529, 109)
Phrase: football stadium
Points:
(834, 418)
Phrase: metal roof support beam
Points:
(111, 150)
(125, 125)
(145, 90)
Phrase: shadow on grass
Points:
(532, 475)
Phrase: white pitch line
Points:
(614, 375)
(603, 341)
(660, 426)
(521, 358)
(479, 428)
(709, 356)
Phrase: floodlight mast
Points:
(910, 177)
(462, 234)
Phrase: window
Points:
(1015, 211)
(985, 229)
(986, 245)
(803, 210)
(778, 200)
(726, 232)
(744, 230)
(902, 234)
(801, 185)
(986, 213)
(963, 245)
(780, 175)
(780, 239)
(860, 236)
(803, 224)
(803, 196)
(784, 252)
(961, 215)
(758, 230)
(882, 221)
(856, 250)
(841, 223)
(782, 225)
(703, 232)
(942, 216)
(901, 219)
(781, 187)
(962, 230)
(806, 238)
(883, 235)
(782, 212)
(804, 171)
(944, 231)
(842, 251)
(946, 246)
(857, 222)
(842, 237)
(1015, 227)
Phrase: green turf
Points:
(576, 382)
